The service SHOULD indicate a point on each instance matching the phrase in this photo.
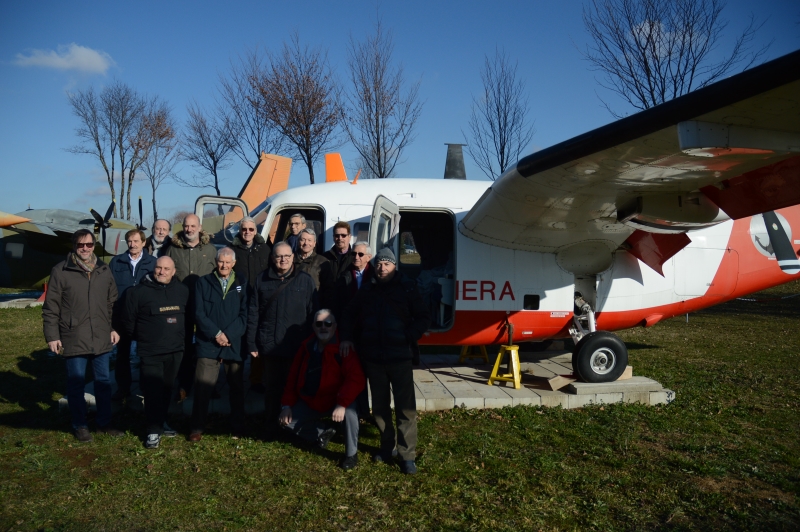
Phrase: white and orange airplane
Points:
(674, 209)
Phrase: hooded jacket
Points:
(277, 326)
(78, 306)
(384, 319)
(155, 316)
(251, 261)
(215, 312)
(191, 263)
(341, 381)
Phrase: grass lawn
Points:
(724, 455)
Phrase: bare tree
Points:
(298, 95)
(207, 147)
(108, 123)
(499, 128)
(651, 51)
(245, 118)
(160, 137)
(376, 114)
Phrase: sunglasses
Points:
(326, 323)
(248, 229)
(357, 253)
(85, 245)
(340, 235)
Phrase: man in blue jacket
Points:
(221, 314)
(128, 270)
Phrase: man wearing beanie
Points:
(384, 319)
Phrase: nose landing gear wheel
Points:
(599, 357)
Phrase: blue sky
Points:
(177, 50)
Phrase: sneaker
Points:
(152, 441)
(325, 437)
(111, 431)
(384, 457)
(408, 467)
(169, 432)
(349, 462)
(82, 434)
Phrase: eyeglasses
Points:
(248, 229)
(357, 253)
(326, 323)
(283, 257)
(340, 235)
(89, 245)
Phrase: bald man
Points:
(155, 317)
(194, 257)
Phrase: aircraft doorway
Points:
(427, 254)
(315, 219)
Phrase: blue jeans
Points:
(76, 380)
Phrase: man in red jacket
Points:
(321, 382)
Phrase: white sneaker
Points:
(152, 441)
(169, 432)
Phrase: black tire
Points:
(599, 357)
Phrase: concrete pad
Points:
(577, 401)
(634, 384)
(636, 397)
(554, 399)
(523, 396)
(663, 397)
(608, 398)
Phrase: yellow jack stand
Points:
(467, 351)
(513, 366)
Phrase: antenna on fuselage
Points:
(454, 166)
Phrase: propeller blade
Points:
(108, 212)
(782, 247)
(141, 225)
(104, 239)
(97, 217)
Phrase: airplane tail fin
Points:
(334, 168)
(270, 176)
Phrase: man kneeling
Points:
(322, 382)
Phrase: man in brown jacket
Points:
(77, 325)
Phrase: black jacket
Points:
(329, 275)
(347, 288)
(250, 262)
(311, 265)
(155, 316)
(215, 312)
(384, 319)
(121, 270)
(277, 326)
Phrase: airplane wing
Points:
(729, 150)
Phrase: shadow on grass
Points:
(31, 386)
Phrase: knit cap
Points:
(386, 255)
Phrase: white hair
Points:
(226, 251)
(368, 251)
(309, 231)
(320, 311)
(247, 219)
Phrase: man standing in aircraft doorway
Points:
(384, 320)
(297, 223)
(194, 257)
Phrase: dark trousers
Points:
(395, 380)
(189, 360)
(276, 372)
(157, 376)
(306, 424)
(205, 379)
(122, 368)
(76, 382)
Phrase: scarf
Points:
(85, 266)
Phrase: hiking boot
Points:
(82, 434)
(169, 432)
(152, 441)
(408, 467)
(349, 462)
(111, 431)
(324, 438)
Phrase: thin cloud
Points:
(68, 57)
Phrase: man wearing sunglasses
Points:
(278, 320)
(77, 325)
(323, 383)
(339, 260)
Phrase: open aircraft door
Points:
(384, 227)
(219, 216)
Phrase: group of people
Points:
(316, 329)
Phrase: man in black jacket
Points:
(385, 319)
(279, 319)
(155, 311)
(339, 260)
(221, 314)
(252, 257)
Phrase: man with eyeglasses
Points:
(323, 383)
(158, 243)
(297, 222)
(252, 257)
(76, 316)
(279, 319)
(339, 260)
